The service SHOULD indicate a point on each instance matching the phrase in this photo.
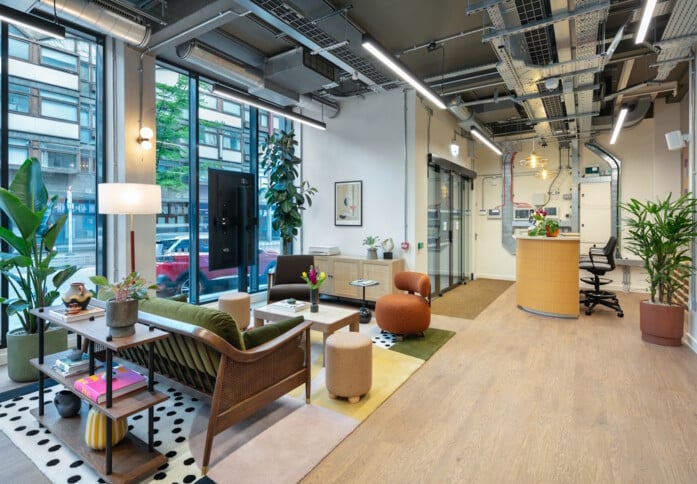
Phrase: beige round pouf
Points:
(236, 304)
(349, 365)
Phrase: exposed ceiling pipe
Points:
(633, 117)
(648, 87)
(208, 58)
(99, 18)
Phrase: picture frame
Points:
(348, 203)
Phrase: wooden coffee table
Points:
(327, 320)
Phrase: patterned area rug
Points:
(173, 419)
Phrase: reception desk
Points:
(547, 275)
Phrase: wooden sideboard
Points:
(342, 269)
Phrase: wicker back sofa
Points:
(239, 373)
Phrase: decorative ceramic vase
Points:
(67, 403)
(121, 317)
(372, 252)
(76, 295)
(314, 300)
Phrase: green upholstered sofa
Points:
(239, 373)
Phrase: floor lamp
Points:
(129, 199)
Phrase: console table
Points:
(132, 457)
(341, 270)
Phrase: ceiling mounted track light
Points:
(18, 18)
(372, 46)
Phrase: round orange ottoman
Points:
(402, 313)
(237, 305)
(349, 365)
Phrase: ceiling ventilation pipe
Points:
(100, 18)
(207, 57)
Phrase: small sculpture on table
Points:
(387, 246)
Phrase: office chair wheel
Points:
(620, 314)
(589, 312)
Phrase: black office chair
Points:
(599, 261)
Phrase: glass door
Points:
(434, 232)
(457, 230)
(445, 207)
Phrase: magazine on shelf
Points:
(65, 315)
(67, 367)
(123, 381)
(291, 305)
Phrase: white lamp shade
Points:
(129, 198)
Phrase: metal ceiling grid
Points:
(682, 23)
(310, 30)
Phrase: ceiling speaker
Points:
(674, 140)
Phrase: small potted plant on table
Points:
(122, 302)
(371, 243)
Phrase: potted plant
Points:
(551, 227)
(285, 197)
(660, 233)
(371, 243)
(29, 268)
(122, 302)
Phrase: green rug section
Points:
(425, 347)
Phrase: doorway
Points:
(449, 187)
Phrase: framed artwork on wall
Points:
(348, 203)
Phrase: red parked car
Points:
(172, 267)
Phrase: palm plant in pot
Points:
(29, 268)
(122, 302)
(285, 197)
(660, 233)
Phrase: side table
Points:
(365, 314)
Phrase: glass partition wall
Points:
(448, 216)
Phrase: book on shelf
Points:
(67, 367)
(67, 316)
(291, 305)
(124, 380)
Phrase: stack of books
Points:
(124, 380)
(67, 367)
(68, 315)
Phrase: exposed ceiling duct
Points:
(101, 17)
(210, 59)
(633, 117)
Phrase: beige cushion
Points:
(349, 364)
(236, 304)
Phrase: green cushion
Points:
(213, 320)
(257, 336)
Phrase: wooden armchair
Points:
(236, 382)
(285, 281)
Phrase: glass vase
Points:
(314, 300)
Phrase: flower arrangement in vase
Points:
(314, 280)
(543, 226)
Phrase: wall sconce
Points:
(454, 147)
(145, 138)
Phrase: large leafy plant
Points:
(660, 233)
(283, 195)
(33, 238)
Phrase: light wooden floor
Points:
(514, 397)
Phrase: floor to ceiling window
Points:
(54, 114)
(226, 132)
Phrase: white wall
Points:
(366, 142)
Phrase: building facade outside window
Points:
(53, 104)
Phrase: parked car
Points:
(172, 267)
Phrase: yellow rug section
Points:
(390, 370)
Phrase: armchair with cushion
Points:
(406, 313)
(285, 281)
(238, 373)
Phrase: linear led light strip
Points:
(258, 103)
(486, 141)
(35, 23)
(383, 56)
(618, 125)
(645, 21)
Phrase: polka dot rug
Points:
(173, 421)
